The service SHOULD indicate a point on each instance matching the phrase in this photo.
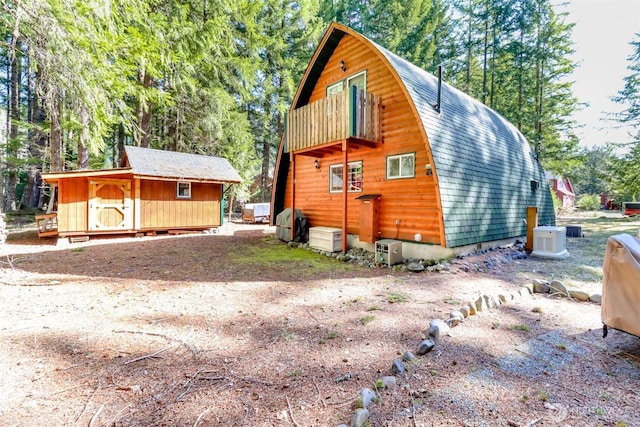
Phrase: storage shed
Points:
(440, 171)
(153, 191)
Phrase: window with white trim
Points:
(183, 190)
(335, 88)
(358, 80)
(354, 178)
(401, 166)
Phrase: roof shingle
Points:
(175, 165)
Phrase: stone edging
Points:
(438, 328)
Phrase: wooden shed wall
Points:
(73, 194)
(160, 208)
(73, 202)
(410, 200)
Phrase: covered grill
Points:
(621, 285)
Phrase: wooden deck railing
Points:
(47, 224)
(348, 114)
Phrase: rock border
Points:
(438, 328)
(499, 256)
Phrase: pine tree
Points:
(626, 169)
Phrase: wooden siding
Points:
(155, 206)
(410, 200)
(72, 209)
(73, 194)
(160, 208)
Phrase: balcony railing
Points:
(348, 114)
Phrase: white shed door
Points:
(110, 205)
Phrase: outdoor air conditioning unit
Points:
(550, 242)
(388, 252)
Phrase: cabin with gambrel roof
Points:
(445, 173)
(154, 191)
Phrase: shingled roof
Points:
(485, 166)
(174, 165)
(487, 172)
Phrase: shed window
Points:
(401, 166)
(354, 176)
(183, 190)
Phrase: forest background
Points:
(80, 79)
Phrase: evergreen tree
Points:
(626, 169)
(283, 41)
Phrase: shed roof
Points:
(174, 165)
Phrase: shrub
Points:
(589, 202)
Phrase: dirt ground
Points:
(221, 329)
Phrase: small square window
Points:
(354, 178)
(184, 190)
(401, 166)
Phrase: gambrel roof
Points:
(487, 173)
(148, 162)
(485, 167)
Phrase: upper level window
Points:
(183, 190)
(354, 178)
(401, 166)
(358, 80)
(335, 88)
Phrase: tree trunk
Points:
(266, 152)
(520, 72)
(13, 145)
(172, 129)
(36, 141)
(55, 138)
(230, 204)
(144, 112)
(83, 141)
(469, 50)
(121, 136)
(484, 64)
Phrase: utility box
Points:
(574, 231)
(550, 242)
(325, 238)
(388, 252)
(369, 217)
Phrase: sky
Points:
(601, 36)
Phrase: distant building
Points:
(562, 187)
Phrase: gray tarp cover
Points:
(283, 224)
(621, 284)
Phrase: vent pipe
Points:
(436, 106)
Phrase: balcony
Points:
(353, 115)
